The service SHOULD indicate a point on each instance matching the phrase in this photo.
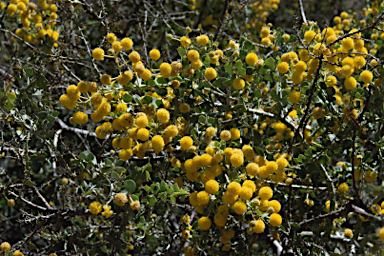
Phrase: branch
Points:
(312, 90)
(218, 31)
(302, 11)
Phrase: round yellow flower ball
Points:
(95, 207)
(185, 143)
(154, 54)
(211, 186)
(134, 57)
(210, 73)
(238, 83)
(259, 227)
(294, 97)
(127, 43)
(283, 67)
(121, 199)
(204, 223)
(157, 143)
(225, 135)
(251, 59)
(239, 207)
(125, 154)
(265, 193)
(165, 69)
(366, 76)
(237, 160)
(275, 219)
(193, 55)
(98, 54)
(233, 188)
(348, 233)
(5, 246)
(252, 169)
(235, 133)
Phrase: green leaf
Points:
(152, 200)
(84, 155)
(181, 51)
(241, 71)
(161, 80)
(137, 99)
(323, 160)
(155, 188)
(238, 65)
(29, 183)
(257, 138)
(29, 72)
(42, 82)
(163, 186)
(163, 197)
(120, 169)
(147, 99)
(270, 63)
(9, 106)
(127, 98)
(157, 103)
(211, 120)
(207, 61)
(130, 185)
(347, 144)
(169, 190)
(202, 119)
(248, 45)
(115, 175)
(228, 68)
(292, 38)
(258, 93)
(11, 97)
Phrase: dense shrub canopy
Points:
(190, 127)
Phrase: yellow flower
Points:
(95, 207)
(251, 59)
(127, 43)
(185, 143)
(165, 69)
(111, 38)
(157, 143)
(238, 83)
(295, 97)
(193, 55)
(239, 207)
(212, 186)
(204, 223)
(343, 188)
(134, 57)
(210, 73)
(107, 211)
(265, 193)
(275, 219)
(5, 246)
(202, 40)
(258, 226)
(154, 54)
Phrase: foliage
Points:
(169, 127)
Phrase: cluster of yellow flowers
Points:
(260, 11)
(37, 20)
(5, 247)
(139, 128)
